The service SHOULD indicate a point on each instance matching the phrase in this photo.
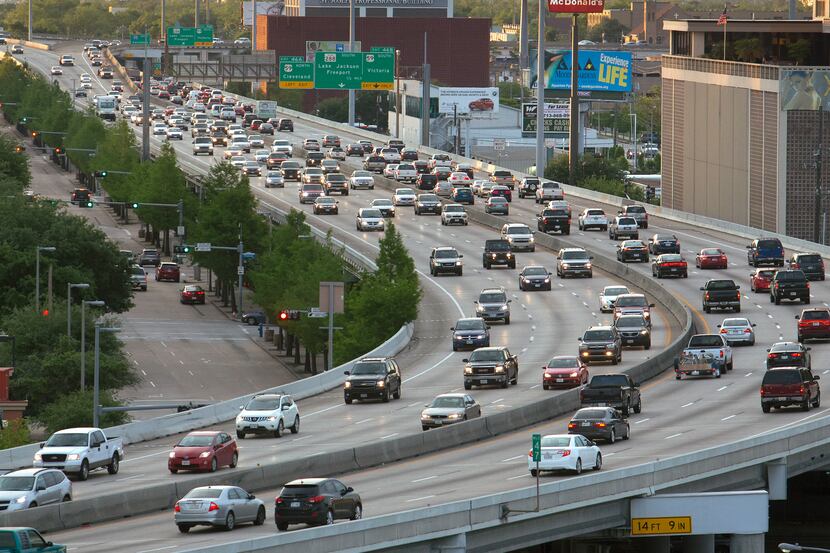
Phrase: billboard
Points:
(377, 3)
(557, 119)
(468, 100)
(576, 6)
(804, 89)
(598, 70)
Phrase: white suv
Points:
(27, 488)
(520, 237)
(268, 414)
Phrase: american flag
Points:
(722, 19)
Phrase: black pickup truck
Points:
(614, 390)
(721, 294)
(550, 220)
(789, 285)
(497, 252)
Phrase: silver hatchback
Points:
(222, 506)
(27, 488)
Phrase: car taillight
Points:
(721, 353)
(706, 295)
(317, 499)
(176, 508)
(762, 391)
(571, 425)
(801, 389)
(793, 265)
(747, 330)
(771, 356)
(796, 355)
(213, 507)
(566, 452)
(279, 500)
(723, 331)
(599, 424)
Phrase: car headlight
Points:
(21, 499)
(499, 368)
(73, 457)
(468, 370)
(305, 193)
(347, 385)
(458, 264)
(204, 454)
(380, 383)
(272, 419)
(172, 455)
(566, 266)
(454, 416)
(609, 346)
(509, 255)
(532, 239)
(479, 336)
(646, 314)
(547, 279)
(38, 457)
(425, 416)
(493, 255)
(587, 265)
(644, 332)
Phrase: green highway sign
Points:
(537, 448)
(386, 49)
(140, 39)
(190, 36)
(295, 72)
(354, 70)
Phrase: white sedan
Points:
(159, 129)
(566, 452)
(174, 133)
(337, 153)
(609, 295)
(593, 218)
(238, 161)
(404, 196)
(56, 70)
(362, 179)
(738, 330)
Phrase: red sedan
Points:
(203, 450)
(482, 104)
(760, 279)
(711, 258)
(193, 294)
(565, 371)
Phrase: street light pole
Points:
(397, 94)
(37, 273)
(91, 303)
(30, 20)
(351, 49)
(69, 287)
(96, 407)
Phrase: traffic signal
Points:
(294, 315)
(24, 120)
(133, 205)
(185, 249)
(19, 149)
(58, 151)
(284, 315)
(87, 203)
(100, 173)
(45, 313)
(34, 133)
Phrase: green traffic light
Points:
(186, 249)
(134, 205)
(89, 204)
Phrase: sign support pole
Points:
(351, 49)
(541, 152)
(573, 142)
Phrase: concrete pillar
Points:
(451, 544)
(698, 44)
(657, 544)
(777, 480)
(746, 543)
(699, 544)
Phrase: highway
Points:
(677, 416)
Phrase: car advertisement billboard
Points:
(468, 100)
(598, 70)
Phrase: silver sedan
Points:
(448, 409)
(221, 506)
(738, 330)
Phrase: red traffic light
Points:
(45, 312)
(283, 315)
(58, 151)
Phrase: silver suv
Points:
(573, 262)
(520, 237)
(27, 488)
(445, 259)
(492, 304)
(623, 227)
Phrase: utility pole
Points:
(524, 57)
(351, 49)
(457, 141)
(573, 141)
(163, 36)
(398, 102)
(241, 272)
(145, 93)
(196, 13)
(253, 25)
(425, 91)
(818, 236)
(541, 152)
(30, 20)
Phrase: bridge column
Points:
(657, 544)
(777, 480)
(704, 543)
(746, 543)
(451, 544)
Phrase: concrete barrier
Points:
(35, 45)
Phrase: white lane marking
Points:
(519, 476)
(688, 404)
(191, 373)
(324, 410)
(429, 369)
(143, 372)
(729, 417)
(722, 388)
(389, 436)
(153, 384)
(129, 477)
(673, 436)
(414, 404)
(131, 459)
(424, 479)
(768, 315)
(364, 420)
(158, 549)
(535, 386)
(529, 316)
(497, 401)
(642, 421)
(747, 374)
(163, 344)
(512, 458)
(420, 498)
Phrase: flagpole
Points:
(725, 23)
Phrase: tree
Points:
(588, 166)
(799, 51)
(749, 50)
(12, 164)
(334, 109)
(608, 30)
(74, 410)
(647, 108)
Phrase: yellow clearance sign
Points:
(656, 526)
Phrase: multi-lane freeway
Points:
(677, 416)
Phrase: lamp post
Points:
(397, 94)
(69, 287)
(96, 407)
(7, 338)
(91, 303)
(787, 547)
(37, 273)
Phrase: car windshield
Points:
(301, 490)
(16, 483)
(588, 414)
(635, 209)
(720, 285)
(555, 213)
(314, 171)
(428, 198)
(382, 202)
(204, 493)
(195, 441)
(574, 255)
(404, 192)
(138, 271)
(563, 363)
(670, 257)
(556, 441)
(535, 271)
(262, 404)
(446, 254)
(598, 335)
(448, 402)
(451, 208)
(518, 230)
(706, 341)
(470, 324)
(369, 213)
(711, 251)
(369, 367)
(631, 301)
(790, 275)
(768, 244)
(498, 200)
(630, 322)
(67, 440)
(361, 174)
(632, 244)
(595, 212)
(782, 377)
(492, 297)
(809, 258)
(815, 315)
(735, 322)
(486, 355)
(272, 174)
(664, 237)
(766, 274)
(325, 200)
(627, 221)
(498, 246)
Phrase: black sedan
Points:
(663, 243)
(316, 501)
(354, 150)
(669, 264)
(600, 423)
(534, 277)
(632, 250)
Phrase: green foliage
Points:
(799, 51)
(335, 109)
(15, 434)
(75, 410)
(608, 30)
(749, 50)
(613, 187)
(588, 166)
(510, 94)
(13, 166)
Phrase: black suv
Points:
(80, 195)
(497, 252)
(601, 343)
(285, 125)
(550, 220)
(426, 181)
(316, 501)
(789, 285)
(788, 354)
(373, 377)
(634, 331)
(811, 263)
(491, 366)
(314, 159)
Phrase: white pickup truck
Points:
(406, 172)
(76, 451)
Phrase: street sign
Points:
(140, 39)
(295, 72)
(499, 144)
(354, 70)
(386, 49)
(190, 36)
(537, 448)
(180, 231)
(240, 270)
(655, 526)
(266, 109)
(317, 314)
(203, 246)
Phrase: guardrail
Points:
(35, 45)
